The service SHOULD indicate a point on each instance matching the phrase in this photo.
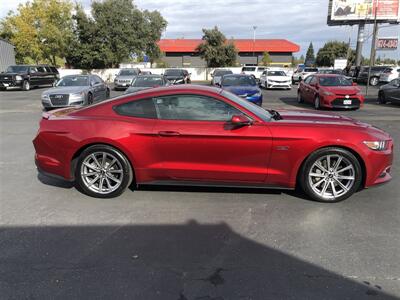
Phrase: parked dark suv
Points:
(374, 76)
(27, 76)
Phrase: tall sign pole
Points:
(360, 41)
(372, 54)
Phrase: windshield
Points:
(255, 109)
(128, 72)
(238, 80)
(248, 69)
(276, 73)
(222, 72)
(335, 81)
(149, 81)
(310, 70)
(74, 81)
(173, 72)
(17, 69)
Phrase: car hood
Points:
(11, 74)
(279, 78)
(125, 77)
(240, 90)
(173, 77)
(66, 90)
(341, 90)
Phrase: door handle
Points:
(168, 133)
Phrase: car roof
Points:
(328, 75)
(239, 75)
(149, 75)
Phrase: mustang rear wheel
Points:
(103, 172)
(331, 175)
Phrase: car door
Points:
(96, 88)
(393, 92)
(313, 89)
(197, 143)
(305, 88)
(34, 76)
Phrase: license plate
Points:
(124, 84)
(5, 84)
(347, 102)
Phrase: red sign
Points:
(387, 43)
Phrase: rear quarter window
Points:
(139, 109)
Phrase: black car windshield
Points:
(74, 81)
(128, 72)
(173, 72)
(310, 70)
(335, 81)
(148, 81)
(222, 72)
(255, 109)
(17, 69)
(276, 73)
(238, 80)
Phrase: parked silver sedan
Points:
(144, 82)
(124, 78)
(75, 90)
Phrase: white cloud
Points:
(297, 21)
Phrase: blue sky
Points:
(298, 21)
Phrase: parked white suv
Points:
(256, 71)
(301, 74)
(389, 74)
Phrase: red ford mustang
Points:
(198, 135)
(330, 91)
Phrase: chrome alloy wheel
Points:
(331, 176)
(102, 172)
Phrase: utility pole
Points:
(254, 42)
(360, 41)
(373, 50)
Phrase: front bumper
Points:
(254, 99)
(379, 166)
(278, 85)
(341, 102)
(11, 83)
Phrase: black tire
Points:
(299, 97)
(108, 94)
(303, 178)
(381, 98)
(26, 86)
(127, 174)
(373, 81)
(90, 99)
(317, 103)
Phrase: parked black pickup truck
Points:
(27, 76)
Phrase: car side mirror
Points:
(240, 120)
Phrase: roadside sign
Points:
(387, 43)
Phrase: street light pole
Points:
(254, 42)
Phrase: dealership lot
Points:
(191, 243)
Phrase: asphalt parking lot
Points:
(191, 243)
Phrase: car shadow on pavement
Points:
(47, 180)
(188, 261)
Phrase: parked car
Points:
(389, 74)
(145, 73)
(376, 73)
(144, 82)
(302, 74)
(124, 78)
(177, 76)
(73, 90)
(330, 91)
(275, 80)
(256, 71)
(217, 76)
(244, 86)
(27, 76)
(198, 135)
(390, 92)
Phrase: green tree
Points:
(216, 50)
(332, 50)
(155, 25)
(310, 57)
(40, 30)
(266, 59)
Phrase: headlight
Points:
(257, 94)
(326, 93)
(18, 77)
(376, 145)
(76, 97)
(45, 97)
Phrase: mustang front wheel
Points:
(331, 175)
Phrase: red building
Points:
(182, 52)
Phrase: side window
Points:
(98, 79)
(41, 69)
(33, 70)
(194, 108)
(313, 80)
(48, 70)
(139, 109)
(308, 79)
